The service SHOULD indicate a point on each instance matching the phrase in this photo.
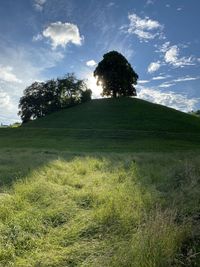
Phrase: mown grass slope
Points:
(120, 114)
(120, 125)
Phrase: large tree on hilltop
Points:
(116, 75)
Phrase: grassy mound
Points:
(120, 114)
(109, 125)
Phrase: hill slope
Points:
(120, 114)
(115, 125)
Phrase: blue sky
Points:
(43, 39)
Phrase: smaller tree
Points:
(32, 104)
(116, 75)
(41, 99)
(86, 95)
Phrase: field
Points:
(103, 191)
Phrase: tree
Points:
(41, 99)
(116, 75)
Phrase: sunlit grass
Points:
(137, 210)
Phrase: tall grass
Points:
(137, 210)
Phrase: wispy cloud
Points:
(37, 37)
(172, 57)
(7, 107)
(154, 66)
(5, 100)
(144, 28)
(150, 2)
(143, 81)
(170, 99)
(111, 4)
(62, 34)
(39, 4)
(7, 75)
(157, 78)
(187, 78)
(166, 85)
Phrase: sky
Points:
(45, 39)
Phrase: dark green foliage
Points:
(86, 96)
(116, 75)
(41, 99)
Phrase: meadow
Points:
(112, 195)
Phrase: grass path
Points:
(68, 209)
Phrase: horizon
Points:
(48, 38)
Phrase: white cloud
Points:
(166, 85)
(39, 4)
(91, 63)
(7, 75)
(8, 108)
(143, 81)
(170, 99)
(185, 79)
(154, 66)
(145, 29)
(61, 34)
(159, 78)
(172, 57)
(4, 100)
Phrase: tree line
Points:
(113, 72)
(43, 98)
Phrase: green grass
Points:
(109, 125)
(120, 114)
(69, 209)
(110, 183)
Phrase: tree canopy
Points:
(116, 75)
(42, 98)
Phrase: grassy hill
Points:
(120, 114)
(119, 125)
(110, 183)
